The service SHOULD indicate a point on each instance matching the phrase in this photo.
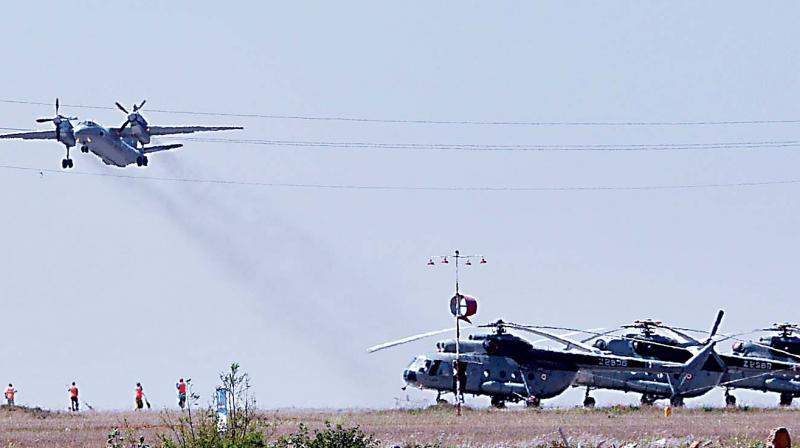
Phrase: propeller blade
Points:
(43, 120)
(408, 339)
(121, 108)
(56, 106)
(136, 108)
(123, 125)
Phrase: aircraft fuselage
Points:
(106, 144)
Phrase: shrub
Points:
(330, 437)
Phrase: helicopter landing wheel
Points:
(786, 399)
(84, 149)
(498, 403)
(66, 163)
(532, 402)
(589, 402)
(144, 160)
(676, 402)
(647, 400)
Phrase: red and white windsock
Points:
(463, 306)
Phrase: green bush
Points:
(330, 437)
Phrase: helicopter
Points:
(781, 348)
(508, 368)
(751, 366)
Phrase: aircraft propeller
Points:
(57, 120)
(134, 116)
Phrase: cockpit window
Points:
(434, 368)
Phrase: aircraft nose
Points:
(409, 376)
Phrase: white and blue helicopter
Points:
(120, 146)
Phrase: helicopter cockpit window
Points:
(738, 347)
(434, 368)
(425, 367)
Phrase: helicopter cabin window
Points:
(434, 368)
(487, 373)
(513, 375)
(503, 374)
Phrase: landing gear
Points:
(730, 400)
(498, 403)
(588, 401)
(786, 399)
(532, 402)
(676, 402)
(141, 161)
(84, 149)
(647, 400)
(67, 162)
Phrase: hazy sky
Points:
(109, 281)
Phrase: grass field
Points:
(608, 427)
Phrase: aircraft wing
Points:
(170, 130)
(38, 135)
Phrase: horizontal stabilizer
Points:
(150, 149)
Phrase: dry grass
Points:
(476, 428)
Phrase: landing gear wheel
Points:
(532, 402)
(139, 161)
(730, 400)
(66, 163)
(84, 149)
(676, 402)
(589, 402)
(786, 399)
(498, 403)
(144, 160)
(647, 400)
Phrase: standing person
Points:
(73, 397)
(10, 391)
(181, 386)
(139, 395)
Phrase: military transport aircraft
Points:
(120, 146)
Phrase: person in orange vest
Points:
(10, 391)
(73, 397)
(139, 396)
(181, 386)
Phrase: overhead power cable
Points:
(426, 121)
(491, 147)
(288, 185)
(763, 144)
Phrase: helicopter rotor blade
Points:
(689, 339)
(714, 329)
(410, 339)
(597, 335)
(570, 334)
(539, 331)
